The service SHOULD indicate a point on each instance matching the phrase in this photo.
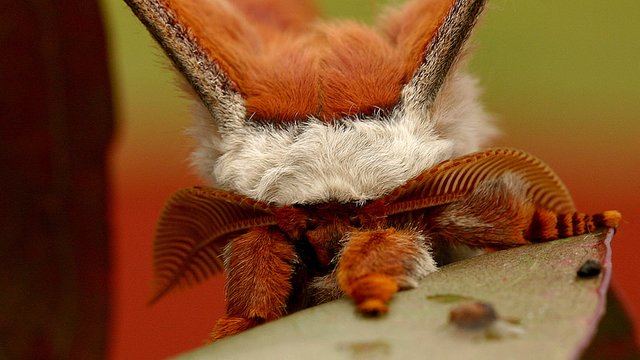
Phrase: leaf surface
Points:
(549, 312)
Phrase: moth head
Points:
(298, 110)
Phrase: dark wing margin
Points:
(192, 59)
(441, 53)
(194, 228)
(454, 179)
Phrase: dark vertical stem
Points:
(55, 127)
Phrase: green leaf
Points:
(545, 312)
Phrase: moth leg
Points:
(374, 265)
(231, 325)
(259, 267)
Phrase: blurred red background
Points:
(563, 81)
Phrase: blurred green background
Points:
(561, 77)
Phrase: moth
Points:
(342, 159)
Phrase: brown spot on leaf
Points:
(375, 349)
(473, 315)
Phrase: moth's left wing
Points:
(203, 38)
(193, 229)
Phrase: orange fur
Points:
(259, 263)
(608, 219)
(408, 28)
(589, 225)
(565, 225)
(278, 15)
(229, 325)
(547, 225)
(579, 223)
(372, 292)
(543, 226)
(292, 220)
(222, 30)
(325, 240)
(372, 263)
(288, 67)
(496, 218)
(354, 55)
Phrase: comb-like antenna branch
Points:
(209, 81)
(441, 53)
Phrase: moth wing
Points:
(289, 15)
(210, 43)
(454, 179)
(194, 228)
(431, 35)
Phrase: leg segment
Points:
(374, 265)
(259, 267)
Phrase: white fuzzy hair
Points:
(352, 159)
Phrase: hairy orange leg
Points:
(374, 265)
(259, 267)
